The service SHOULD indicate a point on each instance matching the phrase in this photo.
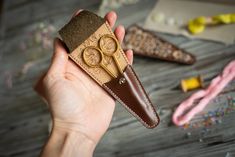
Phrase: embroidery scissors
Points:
(94, 56)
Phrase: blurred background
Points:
(27, 30)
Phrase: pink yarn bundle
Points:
(198, 101)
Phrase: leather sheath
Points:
(86, 29)
(147, 43)
(133, 97)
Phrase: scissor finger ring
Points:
(93, 57)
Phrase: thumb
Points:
(59, 59)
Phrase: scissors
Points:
(94, 56)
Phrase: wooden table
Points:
(24, 117)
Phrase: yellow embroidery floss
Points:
(191, 83)
(198, 25)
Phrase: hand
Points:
(76, 102)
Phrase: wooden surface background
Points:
(24, 117)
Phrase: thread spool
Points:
(192, 83)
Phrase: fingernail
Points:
(122, 27)
(131, 51)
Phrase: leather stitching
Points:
(85, 68)
(100, 82)
(141, 87)
(147, 100)
(129, 109)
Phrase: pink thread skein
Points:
(203, 97)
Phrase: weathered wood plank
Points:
(24, 117)
(33, 11)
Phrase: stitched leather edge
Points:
(129, 109)
(147, 99)
(113, 94)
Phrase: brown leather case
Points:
(147, 43)
(87, 30)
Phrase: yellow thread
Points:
(192, 83)
(197, 25)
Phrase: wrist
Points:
(74, 127)
(75, 143)
(67, 142)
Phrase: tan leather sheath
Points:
(85, 36)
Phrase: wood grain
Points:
(24, 117)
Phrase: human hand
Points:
(75, 101)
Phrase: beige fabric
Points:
(171, 16)
(98, 73)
